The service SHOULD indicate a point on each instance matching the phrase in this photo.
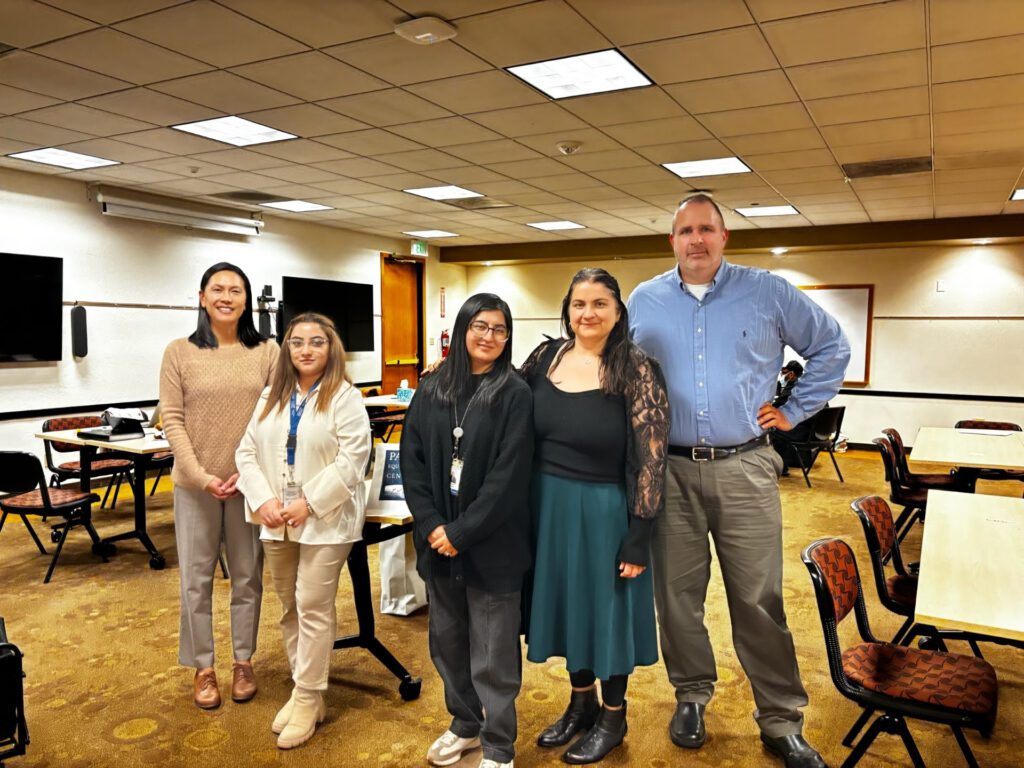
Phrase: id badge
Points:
(291, 492)
(456, 476)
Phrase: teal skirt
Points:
(580, 608)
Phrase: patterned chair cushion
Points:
(947, 679)
(835, 560)
(69, 422)
(1002, 426)
(33, 500)
(878, 511)
(903, 589)
(162, 455)
(97, 466)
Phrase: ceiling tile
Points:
(306, 120)
(565, 181)
(30, 72)
(971, 120)
(975, 94)
(900, 102)
(151, 107)
(679, 151)
(114, 150)
(737, 122)
(350, 187)
(358, 167)
(226, 92)
(981, 58)
(171, 141)
(861, 31)
(399, 181)
(402, 63)
(109, 11)
(296, 191)
(542, 30)
(767, 10)
(986, 141)
(123, 56)
(956, 21)
(299, 174)
(526, 169)
(778, 141)
(239, 159)
(522, 121)
(478, 92)
(772, 161)
(310, 76)
(623, 106)
(603, 161)
(873, 73)
(318, 23)
(797, 175)
(883, 150)
(662, 131)
(756, 89)
(241, 179)
(132, 174)
(968, 209)
(302, 151)
(971, 160)
(211, 33)
(419, 160)
(629, 175)
(87, 119)
(627, 23)
(445, 132)
(466, 174)
(385, 108)
(24, 23)
(194, 187)
(189, 167)
(893, 129)
(714, 54)
(374, 141)
(15, 100)
(37, 134)
(590, 140)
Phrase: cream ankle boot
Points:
(307, 711)
(284, 714)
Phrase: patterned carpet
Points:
(104, 688)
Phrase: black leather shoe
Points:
(796, 752)
(687, 727)
(580, 715)
(607, 733)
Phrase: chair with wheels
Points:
(824, 432)
(116, 468)
(895, 681)
(21, 479)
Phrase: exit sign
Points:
(419, 247)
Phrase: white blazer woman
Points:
(301, 465)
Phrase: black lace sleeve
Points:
(539, 360)
(649, 422)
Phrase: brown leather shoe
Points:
(243, 681)
(204, 689)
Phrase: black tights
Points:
(613, 690)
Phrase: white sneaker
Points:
(448, 748)
(488, 763)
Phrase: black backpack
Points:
(13, 729)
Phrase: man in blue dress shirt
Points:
(719, 331)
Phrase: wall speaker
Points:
(79, 332)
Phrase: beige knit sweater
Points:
(206, 398)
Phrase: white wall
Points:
(964, 340)
(117, 260)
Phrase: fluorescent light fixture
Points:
(1018, 194)
(63, 158)
(236, 131)
(598, 72)
(443, 193)
(166, 210)
(428, 233)
(719, 166)
(297, 206)
(768, 210)
(982, 241)
(554, 226)
(780, 251)
(488, 263)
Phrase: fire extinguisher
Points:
(446, 341)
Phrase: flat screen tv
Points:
(32, 311)
(349, 305)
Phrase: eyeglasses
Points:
(480, 328)
(317, 342)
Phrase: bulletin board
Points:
(853, 307)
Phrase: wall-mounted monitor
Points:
(349, 305)
(32, 311)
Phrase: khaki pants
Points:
(306, 581)
(736, 500)
(200, 523)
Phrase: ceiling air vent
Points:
(250, 198)
(887, 167)
(476, 203)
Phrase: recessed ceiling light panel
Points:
(443, 193)
(63, 159)
(297, 206)
(428, 233)
(598, 72)
(768, 210)
(236, 131)
(1018, 194)
(555, 226)
(719, 166)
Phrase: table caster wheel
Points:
(55, 535)
(157, 562)
(104, 549)
(409, 689)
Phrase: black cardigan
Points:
(489, 521)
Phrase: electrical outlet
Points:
(940, 286)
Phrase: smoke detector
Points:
(568, 147)
(426, 30)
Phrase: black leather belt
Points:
(707, 453)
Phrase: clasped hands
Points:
(222, 490)
(274, 514)
(438, 541)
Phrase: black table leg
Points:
(359, 572)
(141, 464)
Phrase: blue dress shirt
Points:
(721, 355)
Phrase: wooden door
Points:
(401, 297)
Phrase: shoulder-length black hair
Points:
(452, 381)
(620, 357)
(247, 333)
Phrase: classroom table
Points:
(385, 401)
(140, 451)
(974, 448)
(972, 572)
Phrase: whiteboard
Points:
(852, 307)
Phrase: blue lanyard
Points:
(297, 410)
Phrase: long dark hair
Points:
(620, 357)
(247, 333)
(452, 381)
(285, 379)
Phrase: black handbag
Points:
(13, 728)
